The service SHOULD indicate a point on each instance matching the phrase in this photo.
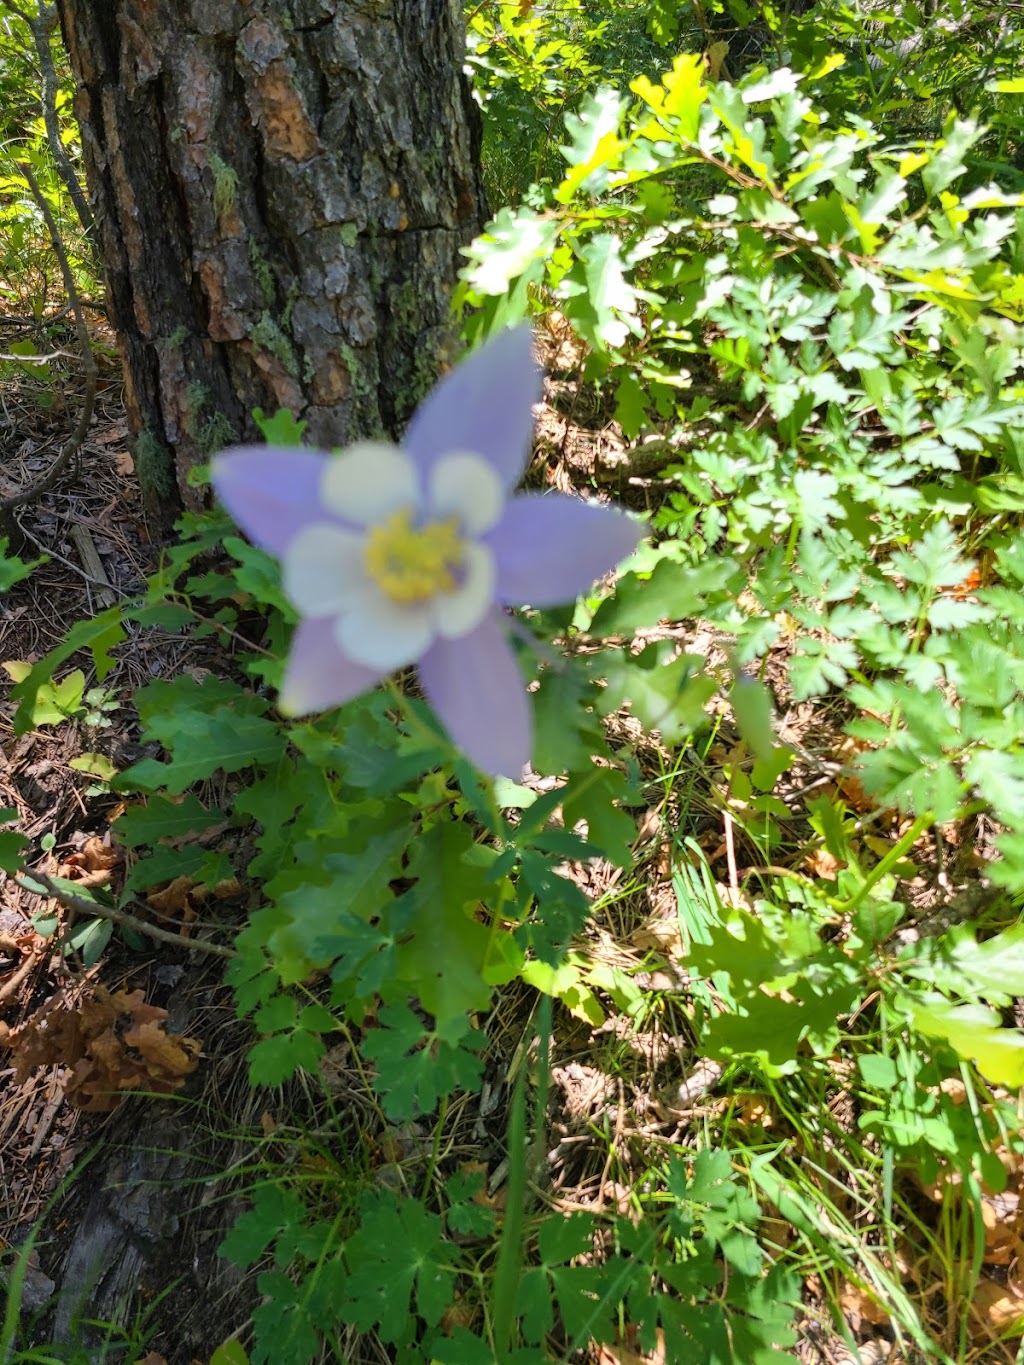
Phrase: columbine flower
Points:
(394, 555)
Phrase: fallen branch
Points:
(81, 906)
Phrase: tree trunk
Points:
(281, 188)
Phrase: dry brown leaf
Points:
(457, 1314)
(820, 863)
(1001, 1215)
(997, 1308)
(860, 1309)
(753, 1111)
(95, 855)
(628, 1353)
(111, 1042)
(660, 935)
(92, 864)
(175, 900)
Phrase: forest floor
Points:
(126, 1208)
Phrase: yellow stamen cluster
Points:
(414, 563)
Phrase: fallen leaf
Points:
(820, 863)
(997, 1308)
(110, 1042)
(860, 1309)
(1001, 1215)
(174, 900)
(627, 1352)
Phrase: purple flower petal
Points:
(549, 547)
(475, 686)
(271, 491)
(484, 407)
(318, 675)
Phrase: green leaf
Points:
(274, 1209)
(98, 634)
(204, 744)
(283, 429)
(11, 843)
(992, 970)
(89, 940)
(566, 732)
(160, 819)
(565, 982)
(444, 952)
(593, 796)
(514, 243)
(973, 1031)
(948, 164)
(13, 570)
(668, 694)
(594, 146)
(673, 592)
(755, 716)
(680, 95)
(598, 299)
(399, 1264)
(415, 1067)
(878, 1071)
(230, 1353)
(273, 1060)
(51, 703)
(257, 573)
(630, 406)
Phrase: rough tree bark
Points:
(280, 189)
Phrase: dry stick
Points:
(88, 359)
(86, 907)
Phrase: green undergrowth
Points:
(807, 317)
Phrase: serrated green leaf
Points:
(416, 1067)
(594, 796)
(274, 1209)
(680, 95)
(160, 819)
(594, 146)
(204, 744)
(273, 1060)
(598, 298)
(668, 694)
(514, 243)
(673, 592)
(283, 429)
(445, 949)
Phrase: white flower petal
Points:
(384, 634)
(369, 482)
(457, 613)
(465, 486)
(324, 569)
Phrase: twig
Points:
(70, 564)
(88, 359)
(10, 988)
(82, 906)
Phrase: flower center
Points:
(414, 563)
